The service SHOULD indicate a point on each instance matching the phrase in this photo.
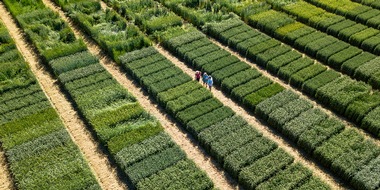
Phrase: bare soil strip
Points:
(99, 163)
(5, 178)
(268, 133)
(216, 173)
(325, 109)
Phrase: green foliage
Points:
(293, 67)
(303, 75)
(263, 58)
(213, 56)
(292, 36)
(137, 152)
(220, 129)
(198, 110)
(247, 154)
(289, 178)
(255, 98)
(169, 83)
(19, 92)
(253, 52)
(117, 143)
(39, 145)
(221, 74)
(143, 62)
(267, 106)
(358, 38)
(188, 100)
(177, 92)
(345, 34)
(86, 81)
(197, 125)
(221, 63)
(244, 46)
(337, 59)
(360, 107)
(180, 51)
(154, 163)
(161, 75)
(262, 169)
(355, 159)
(251, 86)
(370, 43)
(314, 183)
(366, 70)
(73, 62)
(325, 53)
(312, 85)
(270, 20)
(25, 111)
(151, 68)
(137, 55)
(229, 143)
(278, 117)
(304, 122)
(227, 35)
(371, 122)
(175, 42)
(237, 79)
(19, 103)
(349, 66)
(312, 138)
(313, 47)
(277, 63)
(80, 73)
(336, 28)
(183, 174)
(337, 146)
(369, 176)
(302, 42)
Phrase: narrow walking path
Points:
(99, 163)
(220, 179)
(270, 134)
(347, 123)
(5, 178)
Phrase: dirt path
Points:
(220, 179)
(270, 134)
(99, 163)
(325, 109)
(5, 178)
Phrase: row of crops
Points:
(310, 128)
(238, 147)
(134, 139)
(38, 148)
(352, 10)
(293, 116)
(355, 100)
(371, 3)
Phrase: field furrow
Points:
(184, 140)
(133, 138)
(33, 135)
(105, 173)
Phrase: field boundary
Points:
(98, 162)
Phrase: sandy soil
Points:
(98, 162)
(267, 132)
(220, 179)
(5, 178)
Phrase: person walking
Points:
(204, 78)
(197, 75)
(210, 82)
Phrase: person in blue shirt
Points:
(210, 82)
(205, 78)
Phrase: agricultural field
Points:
(101, 94)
